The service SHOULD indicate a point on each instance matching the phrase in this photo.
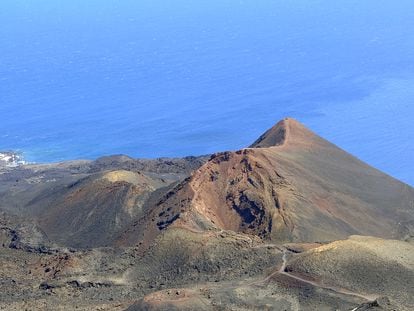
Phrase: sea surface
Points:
(152, 78)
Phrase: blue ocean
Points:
(160, 78)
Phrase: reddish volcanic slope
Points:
(245, 231)
(290, 185)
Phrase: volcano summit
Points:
(292, 222)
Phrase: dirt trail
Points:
(282, 270)
(284, 264)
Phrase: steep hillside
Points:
(89, 212)
(86, 203)
(262, 228)
(291, 185)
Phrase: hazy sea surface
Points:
(151, 78)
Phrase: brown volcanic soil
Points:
(86, 203)
(248, 230)
(365, 265)
(336, 276)
(97, 278)
(96, 207)
(304, 189)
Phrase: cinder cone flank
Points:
(291, 185)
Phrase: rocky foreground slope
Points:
(290, 223)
